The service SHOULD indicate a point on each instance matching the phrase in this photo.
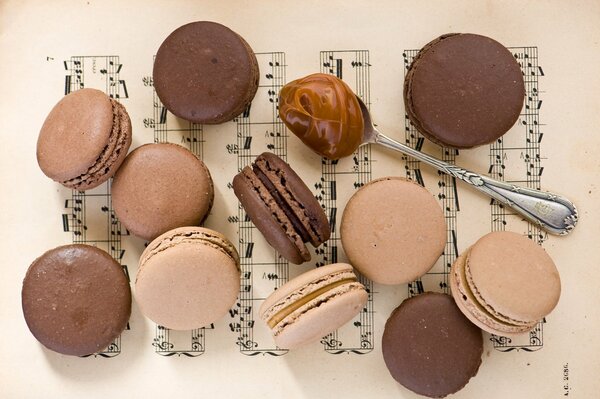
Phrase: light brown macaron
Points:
(161, 187)
(472, 309)
(312, 305)
(187, 278)
(393, 230)
(505, 283)
(84, 139)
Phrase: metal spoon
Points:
(552, 212)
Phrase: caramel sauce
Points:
(324, 113)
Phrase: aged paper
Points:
(51, 48)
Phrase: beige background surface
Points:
(37, 36)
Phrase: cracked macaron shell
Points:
(188, 278)
(513, 277)
(84, 139)
(281, 206)
(313, 304)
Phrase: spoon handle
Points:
(552, 212)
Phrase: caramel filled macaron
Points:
(464, 90)
(84, 139)
(76, 299)
(188, 278)
(312, 305)
(161, 187)
(505, 283)
(393, 230)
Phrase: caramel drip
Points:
(283, 313)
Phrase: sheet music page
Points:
(52, 48)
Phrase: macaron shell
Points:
(268, 218)
(302, 285)
(430, 347)
(513, 277)
(191, 234)
(160, 187)
(464, 90)
(475, 312)
(76, 299)
(393, 230)
(321, 316)
(74, 134)
(187, 286)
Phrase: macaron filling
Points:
(296, 223)
(286, 311)
(110, 153)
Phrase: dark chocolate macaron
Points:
(206, 73)
(161, 187)
(430, 347)
(76, 299)
(281, 206)
(464, 90)
(84, 139)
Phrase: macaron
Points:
(281, 206)
(312, 305)
(430, 347)
(205, 73)
(76, 299)
(505, 283)
(84, 139)
(463, 90)
(160, 187)
(393, 230)
(187, 278)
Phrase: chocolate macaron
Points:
(430, 347)
(312, 305)
(505, 283)
(464, 90)
(76, 299)
(160, 187)
(206, 73)
(84, 139)
(281, 206)
(187, 278)
(393, 230)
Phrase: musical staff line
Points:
(353, 66)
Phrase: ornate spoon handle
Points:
(552, 212)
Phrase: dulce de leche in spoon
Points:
(331, 120)
(324, 113)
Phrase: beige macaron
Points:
(188, 278)
(312, 305)
(505, 283)
(393, 230)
